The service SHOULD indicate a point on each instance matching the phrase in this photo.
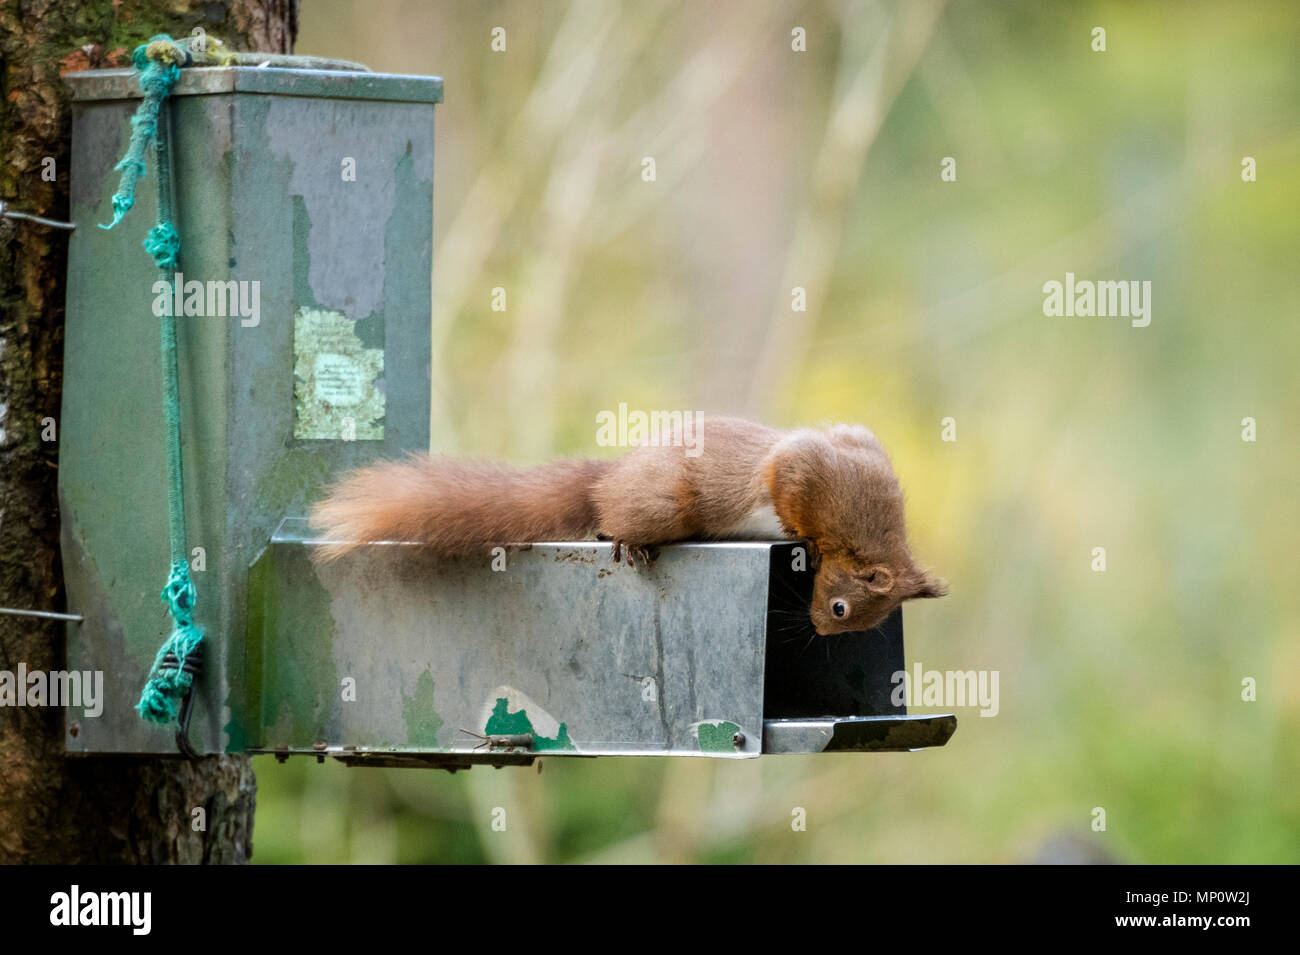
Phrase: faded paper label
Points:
(335, 387)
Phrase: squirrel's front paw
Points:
(632, 553)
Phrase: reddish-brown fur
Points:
(834, 488)
(458, 506)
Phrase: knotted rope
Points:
(158, 63)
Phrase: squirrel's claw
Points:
(633, 554)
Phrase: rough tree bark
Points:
(54, 809)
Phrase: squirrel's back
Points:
(726, 479)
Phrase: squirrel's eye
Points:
(871, 577)
(839, 608)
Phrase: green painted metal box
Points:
(393, 657)
(305, 204)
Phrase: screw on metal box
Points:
(502, 741)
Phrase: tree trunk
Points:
(83, 810)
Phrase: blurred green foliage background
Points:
(821, 169)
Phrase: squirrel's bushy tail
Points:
(457, 506)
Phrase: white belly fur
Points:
(760, 524)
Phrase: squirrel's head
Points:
(837, 489)
(857, 591)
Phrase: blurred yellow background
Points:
(778, 169)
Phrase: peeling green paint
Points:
(422, 720)
(243, 727)
(504, 723)
(300, 682)
(717, 737)
(291, 482)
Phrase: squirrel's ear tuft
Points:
(923, 585)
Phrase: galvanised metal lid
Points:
(92, 85)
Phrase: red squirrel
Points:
(833, 488)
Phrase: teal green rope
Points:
(157, 77)
(157, 63)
